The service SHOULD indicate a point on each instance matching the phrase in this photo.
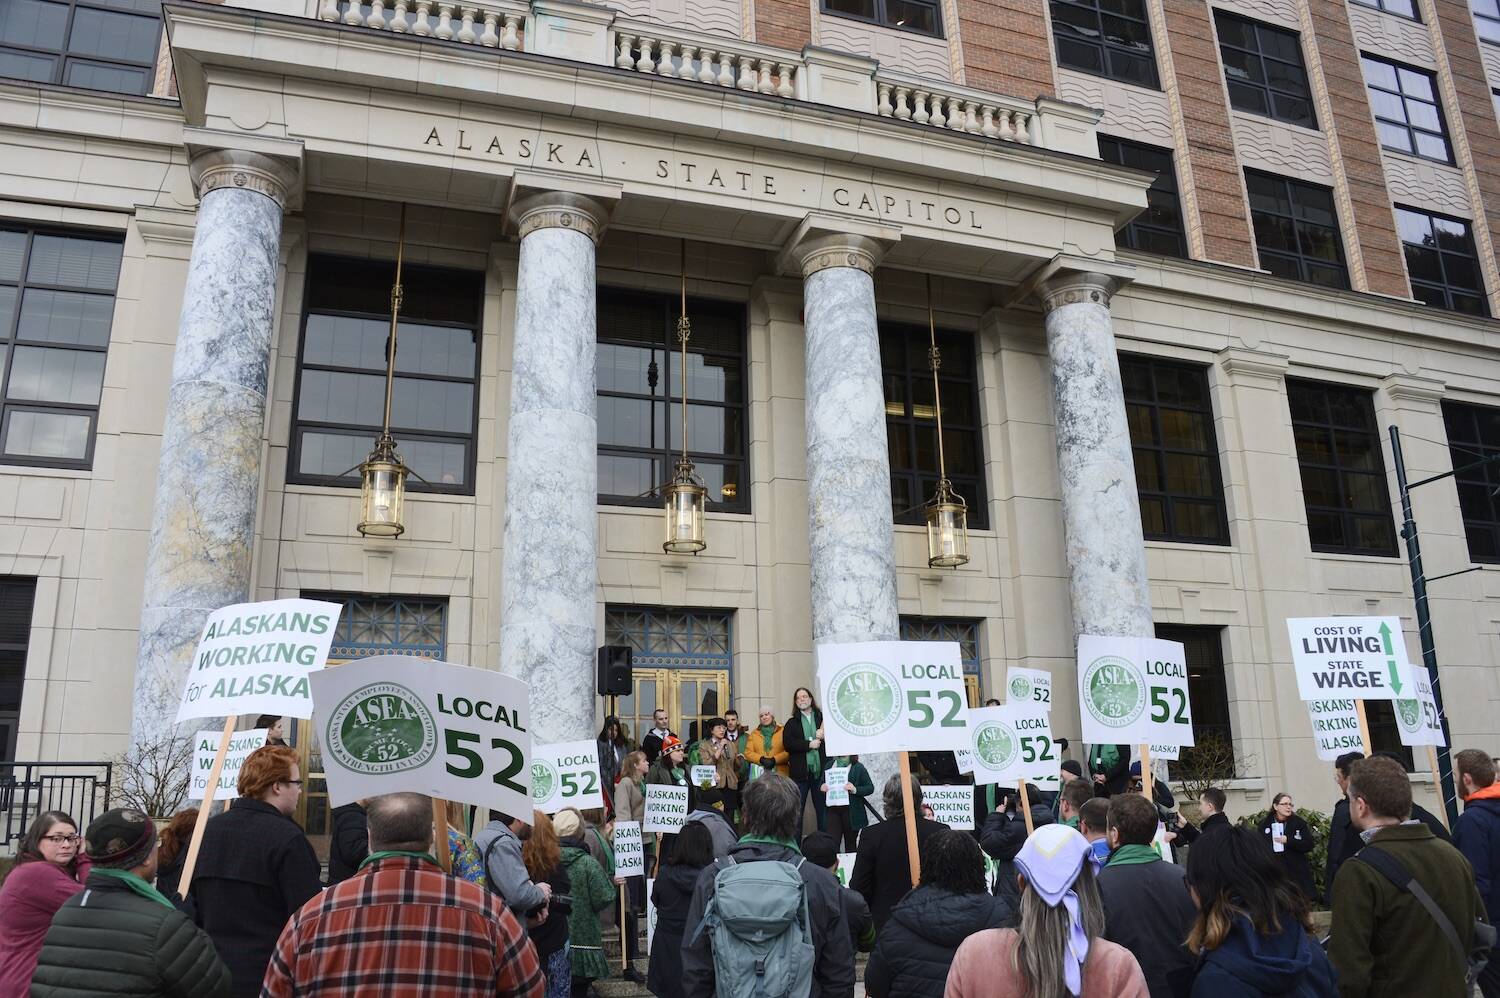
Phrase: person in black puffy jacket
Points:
(950, 903)
(119, 935)
(1003, 835)
(350, 842)
(671, 894)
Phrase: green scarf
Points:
(769, 840)
(388, 853)
(1103, 757)
(135, 883)
(1133, 855)
(768, 733)
(810, 731)
(990, 800)
(1072, 822)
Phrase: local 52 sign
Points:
(1011, 743)
(892, 696)
(394, 722)
(565, 775)
(1133, 691)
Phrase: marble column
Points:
(1105, 550)
(209, 476)
(848, 466)
(547, 630)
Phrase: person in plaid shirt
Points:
(402, 927)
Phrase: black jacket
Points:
(1293, 857)
(796, 743)
(1003, 835)
(671, 894)
(552, 935)
(1116, 777)
(109, 940)
(254, 870)
(349, 844)
(915, 949)
(882, 871)
(1148, 910)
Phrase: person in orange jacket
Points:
(763, 748)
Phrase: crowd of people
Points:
(1080, 900)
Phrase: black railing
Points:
(81, 789)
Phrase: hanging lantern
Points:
(686, 495)
(947, 513)
(382, 491)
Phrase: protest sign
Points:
(565, 775)
(892, 696)
(1335, 725)
(965, 759)
(703, 776)
(1168, 753)
(1360, 657)
(837, 778)
(1028, 689)
(630, 855)
(1133, 691)
(395, 722)
(254, 658)
(951, 805)
(206, 744)
(846, 868)
(1011, 744)
(650, 913)
(1417, 718)
(666, 808)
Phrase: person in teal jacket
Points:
(591, 893)
(844, 823)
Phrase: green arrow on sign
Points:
(1395, 673)
(1385, 636)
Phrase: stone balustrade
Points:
(957, 109)
(646, 48)
(491, 25)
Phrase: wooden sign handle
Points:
(1148, 782)
(914, 861)
(1026, 806)
(191, 862)
(1364, 728)
(440, 834)
(1442, 811)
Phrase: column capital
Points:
(272, 167)
(1065, 280)
(539, 201)
(824, 241)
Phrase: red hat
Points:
(671, 742)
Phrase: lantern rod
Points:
(684, 330)
(934, 361)
(390, 346)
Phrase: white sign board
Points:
(650, 914)
(1028, 689)
(630, 856)
(1360, 657)
(951, 805)
(666, 808)
(1335, 727)
(395, 722)
(1417, 717)
(1133, 691)
(965, 758)
(254, 658)
(892, 696)
(1166, 753)
(837, 779)
(565, 775)
(1011, 744)
(846, 868)
(206, 746)
(704, 776)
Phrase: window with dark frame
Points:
(1385, 734)
(920, 17)
(1487, 19)
(911, 426)
(1474, 435)
(341, 373)
(1296, 230)
(1208, 691)
(1401, 8)
(639, 385)
(57, 303)
(1408, 114)
(1109, 38)
(1342, 468)
(16, 598)
(1264, 71)
(108, 45)
(1158, 229)
(1176, 450)
(1441, 261)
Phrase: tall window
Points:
(1264, 71)
(640, 418)
(16, 597)
(387, 625)
(1408, 115)
(1208, 689)
(1109, 38)
(918, 16)
(1176, 451)
(1474, 435)
(1385, 733)
(1487, 19)
(911, 426)
(1158, 229)
(1343, 470)
(99, 44)
(965, 632)
(1401, 8)
(1296, 230)
(57, 301)
(1441, 261)
(341, 372)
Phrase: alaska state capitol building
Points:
(1186, 262)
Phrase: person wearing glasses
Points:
(50, 867)
(255, 867)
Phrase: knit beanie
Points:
(120, 839)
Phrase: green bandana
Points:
(810, 731)
(768, 840)
(1133, 855)
(135, 883)
(388, 853)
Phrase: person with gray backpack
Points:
(763, 923)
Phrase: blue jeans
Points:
(559, 974)
(812, 785)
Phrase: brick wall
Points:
(784, 23)
(1005, 47)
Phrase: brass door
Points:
(971, 687)
(313, 812)
(689, 696)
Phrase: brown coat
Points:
(726, 761)
(630, 805)
(982, 968)
(756, 750)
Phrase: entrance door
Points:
(689, 696)
(681, 665)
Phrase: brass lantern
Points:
(382, 476)
(686, 495)
(947, 513)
